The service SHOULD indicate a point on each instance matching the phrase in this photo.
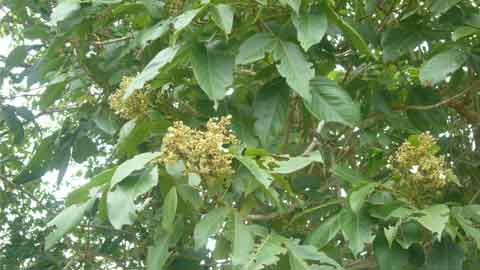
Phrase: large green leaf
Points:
(255, 48)
(63, 9)
(213, 71)
(223, 16)
(356, 230)
(330, 103)
(66, 221)
(208, 226)
(350, 33)
(300, 255)
(242, 242)
(144, 37)
(359, 195)
(398, 41)
(294, 67)
(152, 69)
(271, 109)
(446, 255)
(434, 218)
(389, 258)
(467, 225)
(266, 253)
(8, 114)
(311, 28)
(82, 193)
(136, 163)
(261, 175)
(441, 65)
(294, 4)
(297, 163)
(440, 6)
(158, 254)
(325, 232)
(121, 201)
(184, 20)
(169, 209)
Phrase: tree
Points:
(229, 134)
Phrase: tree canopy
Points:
(240, 134)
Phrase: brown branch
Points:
(113, 40)
(25, 192)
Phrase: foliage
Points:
(240, 134)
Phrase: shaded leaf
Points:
(136, 163)
(332, 104)
(356, 230)
(82, 193)
(441, 65)
(255, 48)
(261, 175)
(66, 221)
(434, 218)
(242, 242)
(440, 6)
(271, 109)
(223, 17)
(325, 232)
(359, 195)
(311, 28)
(297, 163)
(169, 209)
(208, 226)
(158, 254)
(294, 67)
(445, 255)
(213, 71)
(397, 41)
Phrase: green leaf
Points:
(261, 175)
(311, 28)
(144, 37)
(325, 232)
(294, 67)
(106, 121)
(358, 196)
(434, 218)
(348, 175)
(242, 242)
(208, 226)
(464, 31)
(350, 33)
(213, 71)
(131, 135)
(121, 201)
(169, 209)
(398, 41)
(271, 109)
(83, 148)
(152, 69)
(51, 94)
(184, 20)
(467, 225)
(16, 57)
(266, 253)
(441, 65)
(40, 162)
(82, 193)
(158, 254)
(300, 254)
(441, 6)
(223, 17)
(445, 255)
(356, 230)
(294, 4)
(409, 233)
(63, 10)
(136, 163)
(389, 258)
(255, 48)
(330, 103)
(297, 163)
(66, 221)
(8, 114)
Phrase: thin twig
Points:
(113, 40)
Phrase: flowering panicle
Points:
(417, 167)
(203, 152)
(137, 105)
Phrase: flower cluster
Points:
(417, 166)
(137, 105)
(203, 152)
